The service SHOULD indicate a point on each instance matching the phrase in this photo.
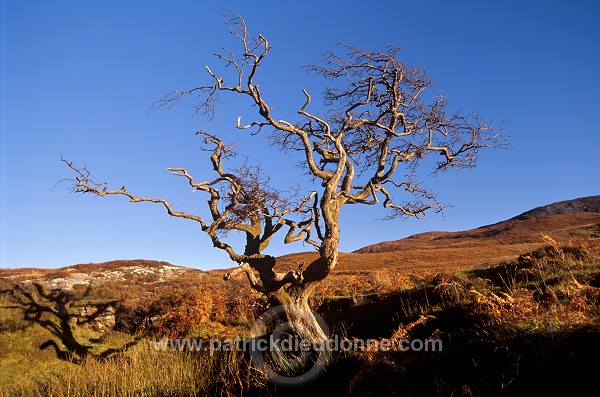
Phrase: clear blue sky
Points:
(78, 79)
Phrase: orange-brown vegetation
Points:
(517, 315)
(398, 264)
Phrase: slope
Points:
(503, 241)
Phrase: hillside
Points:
(446, 251)
(514, 231)
(583, 204)
(562, 220)
(134, 272)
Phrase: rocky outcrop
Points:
(69, 278)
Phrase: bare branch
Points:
(83, 184)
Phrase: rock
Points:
(105, 321)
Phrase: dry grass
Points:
(551, 294)
(109, 368)
(145, 372)
(539, 315)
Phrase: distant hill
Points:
(577, 206)
(562, 220)
(432, 251)
(137, 271)
(444, 251)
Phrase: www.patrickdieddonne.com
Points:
(295, 344)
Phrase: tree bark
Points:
(298, 313)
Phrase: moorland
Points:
(516, 304)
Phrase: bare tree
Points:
(370, 144)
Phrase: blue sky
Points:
(78, 79)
